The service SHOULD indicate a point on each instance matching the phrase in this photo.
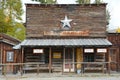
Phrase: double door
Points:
(68, 60)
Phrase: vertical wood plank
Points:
(37, 69)
(22, 54)
(73, 59)
(1, 51)
(50, 61)
(63, 60)
(79, 58)
(4, 55)
(21, 70)
(108, 61)
(117, 59)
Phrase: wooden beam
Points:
(109, 64)
(50, 60)
(117, 61)
(73, 59)
(1, 51)
(63, 60)
(22, 54)
(3, 54)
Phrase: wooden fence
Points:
(22, 67)
(102, 66)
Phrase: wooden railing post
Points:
(50, 60)
(69, 67)
(4, 70)
(21, 70)
(103, 67)
(37, 69)
(109, 67)
(82, 68)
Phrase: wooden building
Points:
(114, 37)
(7, 54)
(64, 36)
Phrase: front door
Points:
(9, 58)
(68, 58)
(113, 58)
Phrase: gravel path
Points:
(62, 77)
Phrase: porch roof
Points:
(64, 42)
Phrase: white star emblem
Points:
(66, 23)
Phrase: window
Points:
(89, 57)
(10, 56)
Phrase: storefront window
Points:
(89, 57)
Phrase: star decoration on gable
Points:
(66, 23)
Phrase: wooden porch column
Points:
(22, 59)
(50, 60)
(109, 62)
(22, 55)
(79, 58)
(117, 60)
(1, 54)
(73, 59)
(63, 60)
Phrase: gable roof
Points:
(8, 39)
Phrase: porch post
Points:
(109, 62)
(63, 60)
(117, 59)
(50, 61)
(1, 51)
(1, 54)
(82, 64)
(22, 55)
(73, 59)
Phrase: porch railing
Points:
(21, 67)
(102, 66)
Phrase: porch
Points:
(65, 55)
(65, 59)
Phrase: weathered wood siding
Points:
(42, 18)
(6, 44)
(79, 57)
(114, 50)
(114, 38)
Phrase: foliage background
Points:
(10, 18)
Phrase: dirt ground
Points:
(59, 76)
